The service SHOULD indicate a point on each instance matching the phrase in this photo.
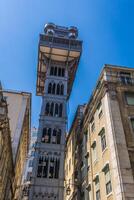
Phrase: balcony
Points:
(63, 43)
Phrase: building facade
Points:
(58, 57)
(6, 157)
(106, 138)
(19, 113)
(72, 154)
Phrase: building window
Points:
(42, 170)
(125, 78)
(92, 122)
(52, 71)
(103, 139)
(48, 167)
(94, 151)
(129, 98)
(106, 171)
(132, 123)
(100, 114)
(46, 135)
(57, 71)
(97, 187)
(98, 195)
(53, 109)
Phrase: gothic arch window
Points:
(62, 89)
(58, 136)
(60, 110)
(59, 71)
(50, 88)
(52, 71)
(58, 89)
(57, 166)
(55, 71)
(51, 168)
(46, 135)
(49, 135)
(45, 167)
(47, 109)
(63, 72)
(42, 170)
(54, 136)
(53, 88)
(52, 109)
(56, 110)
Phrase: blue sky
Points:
(105, 26)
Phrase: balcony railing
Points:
(60, 42)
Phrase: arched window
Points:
(49, 135)
(60, 110)
(58, 89)
(54, 136)
(47, 109)
(51, 168)
(49, 88)
(57, 166)
(58, 136)
(46, 135)
(55, 71)
(62, 89)
(43, 134)
(63, 72)
(45, 167)
(52, 109)
(52, 71)
(53, 90)
(59, 71)
(56, 110)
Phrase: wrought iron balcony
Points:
(46, 40)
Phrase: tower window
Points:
(42, 170)
(46, 135)
(62, 89)
(49, 88)
(59, 71)
(53, 90)
(56, 110)
(63, 72)
(55, 71)
(58, 89)
(52, 109)
(59, 136)
(51, 168)
(52, 71)
(47, 109)
(60, 110)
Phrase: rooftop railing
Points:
(60, 42)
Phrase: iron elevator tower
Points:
(58, 56)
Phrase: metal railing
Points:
(60, 42)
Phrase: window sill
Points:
(108, 195)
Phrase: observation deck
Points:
(58, 44)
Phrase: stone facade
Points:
(19, 113)
(59, 53)
(6, 157)
(106, 139)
